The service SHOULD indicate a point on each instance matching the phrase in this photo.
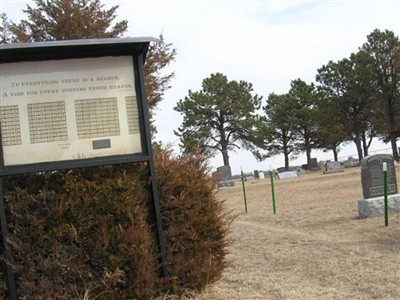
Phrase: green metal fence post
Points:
(385, 193)
(271, 174)
(244, 192)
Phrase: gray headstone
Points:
(372, 175)
(302, 171)
(226, 183)
(256, 174)
(352, 162)
(313, 164)
(288, 175)
(333, 167)
(225, 173)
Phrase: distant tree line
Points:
(354, 100)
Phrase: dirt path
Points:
(315, 247)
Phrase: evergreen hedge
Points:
(89, 233)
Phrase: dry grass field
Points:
(315, 247)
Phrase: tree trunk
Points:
(308, 153)
(335, 154)
(394, 149)
(359, 149)
(364, 145)
(224, 141)
(225, 156)
(286, 161)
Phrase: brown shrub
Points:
(89, 233)
(196, 223)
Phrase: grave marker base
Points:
(374, 207)
(226, 183)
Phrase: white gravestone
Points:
(288, 175)
(332, 167)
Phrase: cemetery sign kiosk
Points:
(73, 104)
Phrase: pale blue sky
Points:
(268, 43)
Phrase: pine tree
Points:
(88, 19)
(221, 117)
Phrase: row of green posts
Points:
(272, 175)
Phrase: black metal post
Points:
(12, 288)
(152, 172)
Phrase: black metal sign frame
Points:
(96, 48)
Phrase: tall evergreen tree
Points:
(5, 34)
(51, 20)
(304, 100)
(330, 133)
(159, 57)
(280, 110)
(384, 47)
(348, 86)
(221, 117)
(67, 20)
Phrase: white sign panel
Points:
(68, 109)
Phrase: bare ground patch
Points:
(315, 247)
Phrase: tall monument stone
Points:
(372, 178)
(372, 175)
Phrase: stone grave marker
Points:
(224, 173)
(225, 176)
(288, 175)
(352, 162)
(226, 183)
(314, 164)
(332, 167)
(372, 175)
(256, 174)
